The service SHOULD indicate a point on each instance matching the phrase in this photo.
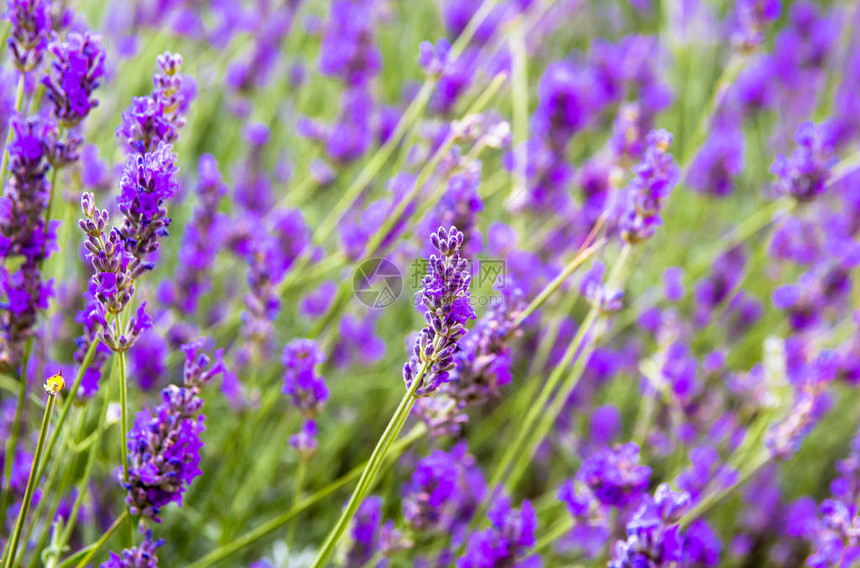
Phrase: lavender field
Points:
(437, 283)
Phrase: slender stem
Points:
(91, 550)
(272, 525)
(85, 478)
(123, 405)
(31, 483)
(12, 446)
(67, 404)
(19, 98)
(558, 531)
(550, 288)
(297, 493)
(537, 410)
(372, 467)
(52, 190)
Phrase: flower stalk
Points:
(53, 385)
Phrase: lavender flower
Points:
(74, 76)
(200, 241)
(654, 179)
(804, 175)
(720, 160)
(445, 296)
(483, 363)
(142, 556)
(433, 488)
(147, 181)
(783, 439)
(156, 118)
(31, 28)
(836, 535)
(615, 475)
(305, 442)
(653, 536)
(164, 444)
(563, 105)
(307, 390)
(752, 17)
(348, 51)
(23, 235)
(507, 543)
(365, 532)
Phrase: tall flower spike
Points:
(445, 296)
(156, 118)
(142, 556)
(76, 73)
(147, 182)
(31, 28)
(654, 178)
(23, 235)
(164, 444)
(307, 390)
(804, 174)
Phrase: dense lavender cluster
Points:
(445, 297)
(76, 72)
(24, 235)
(31, 31)
(164, 445)
(157, 118)
(654, 178)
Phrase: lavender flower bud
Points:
(74, 76)
(31, 28)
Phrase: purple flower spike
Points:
(301, 382)
(147, 182)
(164, 444)
(31, 28)
(156, 118)
(615, 475)
(445, 296)
(23, 235)
(305, 442)
(142, 556)
(74, 76)
(348, 51)
(507, 543)
(432, 489)
(653, 536)
(804, 175)
(654, 179)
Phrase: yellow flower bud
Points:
(54, 384)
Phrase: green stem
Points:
(272, 525)
(550, 288)
(67, 404)
(91, 550)
(370, 470)
(85, 478)
(53, 190)
(19, 98)
(537, 410)
(558, 531)
(297, 493)
(31, 483)
(47, 487)
(123, 405)
(12, 445)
